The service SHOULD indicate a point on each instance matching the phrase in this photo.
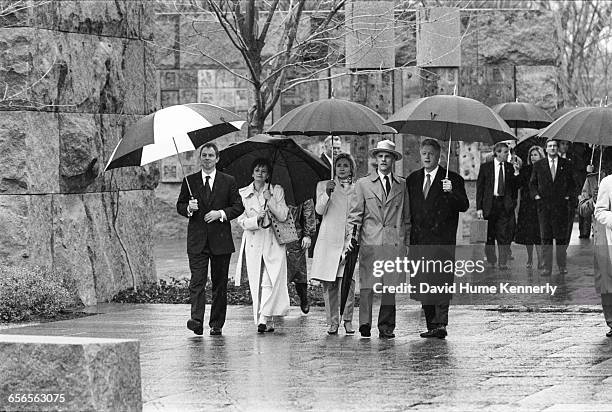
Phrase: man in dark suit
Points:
(435, 203)
(553, 187)
(215, 201)
(496, 194)
(332, 148)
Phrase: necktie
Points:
(427, 185)
(500, 180)
(387, 185)
(553, 169)
(207, 190)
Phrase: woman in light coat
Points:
(335, 199)
(265, 258)
(602, 229)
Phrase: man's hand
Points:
(537, 197)
(212, 216)
(479, 214)
(306, 242)
(193, 205)
(329, 188)
(590, 169)
(447, 186)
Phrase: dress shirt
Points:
(432, 175)
(211, 182)
(496, 164)
(382, 181)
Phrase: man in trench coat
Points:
(380, 215)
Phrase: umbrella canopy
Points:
(170, 131)
(446, 117)
(561, 111)
(519, 114)
(295, 169)
(527, 142)
(586, 125)
(330, 116)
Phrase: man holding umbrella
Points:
(214, 202)
(382, 228)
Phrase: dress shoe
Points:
(365, 331)
(348, 327)
(563, 271)
(429, 334)
(609, 333)
(386, 334)
(270, 328)
(333, 330)
(545, 272)
(529, 265)
(304, 306)
(440, 332)
(215, 331)
(261, 328)
(195, 326)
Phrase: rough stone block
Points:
(105, 236)
(438, 37)
(537, 85)
(488, 84)
(88, 374)
(370, 42)
(28, 152)
(79, 73)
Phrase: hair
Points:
(262, 161)
(347, 156)
(537, 149)
(433, 143)
(498, 145)
(211, 145)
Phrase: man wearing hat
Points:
(382, 228)
(553, 186)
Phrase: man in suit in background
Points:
(496, 194)
(214, 202)
(382, 227)
(435, 203)
(553, 187)
(333, 146)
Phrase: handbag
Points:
(284, 231)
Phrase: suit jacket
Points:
(434, 220)
(224, 196)
(325, 160)
(556, 195)
(486, 183)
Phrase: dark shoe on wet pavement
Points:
(333, 330)
(195, 326)
(563, 271)
(429, 334)
(261, 328)
(609, 334)
(440, 332)
(386, 334)
(365, 331)
(215, 331)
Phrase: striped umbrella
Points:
(172, 130)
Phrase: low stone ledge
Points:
(69, 374)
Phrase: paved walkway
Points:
(491, 360)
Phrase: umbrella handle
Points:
(450, 140)
(600, 159)
(593, 154)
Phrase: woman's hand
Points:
(267, 194)
(329, 188)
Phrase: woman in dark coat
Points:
(528, 227)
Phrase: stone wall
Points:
(80, 73)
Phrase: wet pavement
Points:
(491, 360)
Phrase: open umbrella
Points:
(294, 168)
(330, 117)
(172, 130)
(591, 125)
(448, 117)
(525, 115)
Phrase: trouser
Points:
(386, 313)
(547, 251)
(436, 315)
(219, 266)
(547, 234)
(584, 224)
(606, 303)
(331, 296)
(500, 230)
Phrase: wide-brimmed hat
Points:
(386, 146)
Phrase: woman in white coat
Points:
(603, 248)
(265, 259)
(335, 199)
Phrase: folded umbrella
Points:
(350, 261)
(294, 168)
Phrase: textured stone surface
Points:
(91, 374)
(438, 37)
(370, 34)
(77, 72)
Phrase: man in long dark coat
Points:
(435, 203)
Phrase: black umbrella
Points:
(294, 168)
(525, 115)
(350, 260)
